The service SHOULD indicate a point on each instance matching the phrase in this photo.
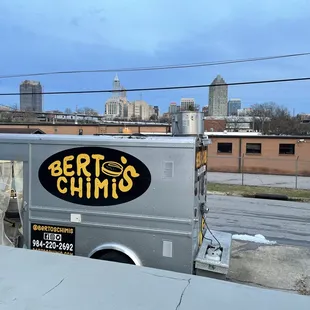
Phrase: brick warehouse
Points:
(286, 155)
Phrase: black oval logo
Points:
(94, 176)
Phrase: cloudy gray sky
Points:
(38, 36)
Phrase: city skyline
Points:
(121, 93)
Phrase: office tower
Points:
(218, 97)
(233, 106)
(173, 108)
(31, 96)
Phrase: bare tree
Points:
(87, 111)
(153, 117)
(164, 119)
(135, 118)
(14, 106)
(119, 119)
(262, 113)
(6, 116)
(29, 116)
(275, 119)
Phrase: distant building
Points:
(233, 106)
(304, 117)
(173, 108)
(5, 108)
(156, 110)
(141, 110)
(187, 104)
(31, 96)
(112, 107)
(214, 124)
(218, 96)
(228, 123)
(244, 112)
(205, 110)
(116, 106)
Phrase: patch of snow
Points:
(257, 239)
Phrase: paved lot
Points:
(277, 267)
(284, 266)
(259, 180)
(286, 222)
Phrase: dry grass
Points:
(239, 190)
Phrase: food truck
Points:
(130, 199)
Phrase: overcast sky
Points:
(58, 35)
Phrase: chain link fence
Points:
(253, 170)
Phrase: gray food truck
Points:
(139, 200)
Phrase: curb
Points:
(271, 196)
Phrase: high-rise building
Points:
(218, 96)
(141, 110)
(115, 106)
(31, 96)
(156, 110)
(187, 104)
(233, 106)
(173, 108)
(116, 87)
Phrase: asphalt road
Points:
(281, 221)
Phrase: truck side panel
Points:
(162, 215)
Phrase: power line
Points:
(153, 68)
(160, 88)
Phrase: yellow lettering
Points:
(67, 166)
(205, 155)
(88, 188)
(55, 168)
(82, 161)
(101, 185)
(124, 160)
(61, 190)
(97, 158)
(114, 193)
(197, 160)
(127, 178)
(78, 189)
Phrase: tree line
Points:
(273, 119)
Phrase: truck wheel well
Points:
(113, 255)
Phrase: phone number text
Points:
(52, 245)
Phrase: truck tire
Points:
(115, 256)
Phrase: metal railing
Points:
(256, 171)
